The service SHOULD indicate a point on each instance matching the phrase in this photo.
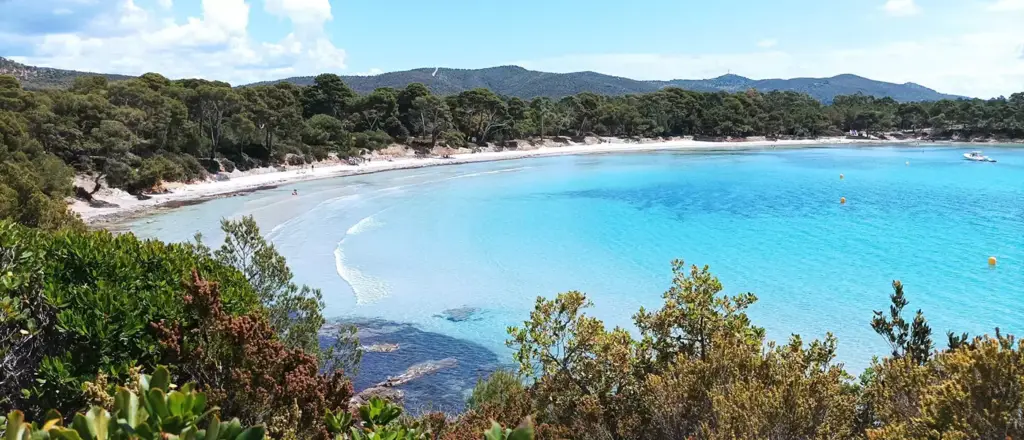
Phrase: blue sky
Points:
(972, 47)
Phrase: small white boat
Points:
(978, 157)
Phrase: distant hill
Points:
(517, 81)
(36, 78)
(823, 89)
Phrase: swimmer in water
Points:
(295, 192)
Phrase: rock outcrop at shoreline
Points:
(387, 390)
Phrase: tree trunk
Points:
(96, 188)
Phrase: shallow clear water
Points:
(407, 245)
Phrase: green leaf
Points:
(99, 423)
(172, 424)
(213, 430)
(495, 433)
(521, 433)
(176, 403)
(158, 400)
(126, 404)
(161, 379)
(52, 415)
(144, 431)
(81, 426)
(253, 433)
(231, 430)
(16, 429)
(198, 402)
(64, 434)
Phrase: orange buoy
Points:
(842, 200)
(840, 177)
(991, 261)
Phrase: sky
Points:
(968, 47)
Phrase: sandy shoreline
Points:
(130, 207)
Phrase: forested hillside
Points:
(37, 78)
(527, 84)
(515, 81)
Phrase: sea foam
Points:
(367, 288)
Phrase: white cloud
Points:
(984, 64)
(166, 4)
(901, 8)
(305, 12)
(768, 43)
(1006, 6)
(216, 45)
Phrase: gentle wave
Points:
(484, 173)
(411, 177)
(366, 288)
(364, 225)
(281, 227)
(460, 176)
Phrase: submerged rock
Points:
(387, 390)
(444, 389)
(460, 314)
(380, 348)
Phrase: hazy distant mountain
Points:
(517, 81)
(34, 78)
(824, 89)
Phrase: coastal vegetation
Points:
(85, 315)
(136, 133)
(94, 325)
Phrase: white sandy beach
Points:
(130, 206)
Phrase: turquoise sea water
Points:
(407, 245)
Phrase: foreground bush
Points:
(247, 370)
(701, 370)
(78, 303)
(152, 409)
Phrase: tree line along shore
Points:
(136, 133)
(106, 336)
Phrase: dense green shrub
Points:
(191, 169)
(248, 372)
(295, 312)
(499, 388)
(453, 139)
(95, 295)
(371, 141)
(151, 408)
(153, 171)
(32, 193)
(319, 153)
(118, 174)
(227, 165)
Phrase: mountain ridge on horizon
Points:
(520, 82)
